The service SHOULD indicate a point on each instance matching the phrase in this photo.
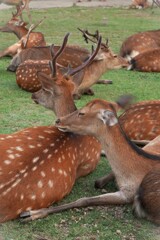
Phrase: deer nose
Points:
(58, 121)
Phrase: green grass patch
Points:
(18, 111)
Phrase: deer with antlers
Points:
(39, 165)
(104, 61)
(134, 168)
(20, 6)
(27, 38)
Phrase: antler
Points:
(32, 27)
(20, 9)
(72, 72)
(94, 36)
(55, 56)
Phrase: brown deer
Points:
(139, 43)
(19, 5)
(140, 131)
(90, 75)
(129, 163)
(28, 39)
(140, 4)
(148, 61)
(140, 121)
(72, 55)
(39, 165)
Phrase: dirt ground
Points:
(68, 3)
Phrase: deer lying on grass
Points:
(129, 163)
(19, 5)
(140, 121)
(27, 38)
(72, 55)
(90, 75)
(139, 43)
(27, 73)
(148, 61)
(39, 165)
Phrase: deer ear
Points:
(45, 81)
(107, 117)
(100, 56)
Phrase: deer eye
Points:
(80, 114)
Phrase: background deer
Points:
(20, 4)
(39, 165)
(129, 163)
(148, 61)
(140, 42)
(140, 4)
(28, 39)
(140, 121)
(72, 55)
(90, 75)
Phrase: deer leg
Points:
(101, 182)
(104, 82)
(116, 198)
(88, 91)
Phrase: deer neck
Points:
(127, 160)
(65, 107)
(20, 32)
(94, 71)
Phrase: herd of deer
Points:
(39, 165)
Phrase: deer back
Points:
(146, 202)
(141, 120)
(148, 61)
(140, 42)
(72, 55)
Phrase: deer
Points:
(140, 4)
(129, 163)
(27, 38)
(19, 4)
(39, 165)
(148, 61)
(135, 130)
(73, 55)
(104, 60)
(140, 121)
(139, 43)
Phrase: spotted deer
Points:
(129, 163)
(103, 61)
(20, 5)
(148, 61)
(140, 130)
(72, 55)
(39, 165)
(139, 43)
(27, 38)
(140, 121)
(27, 76)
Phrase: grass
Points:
(17, 111)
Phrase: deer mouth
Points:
(63, 129)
